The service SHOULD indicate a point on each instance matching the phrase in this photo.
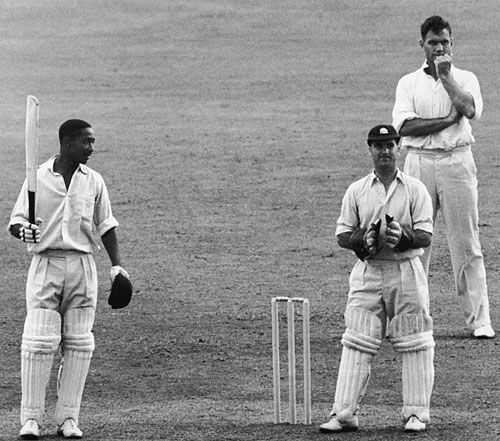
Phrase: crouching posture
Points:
(386, 219)
(61, 290)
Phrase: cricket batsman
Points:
(72, 206)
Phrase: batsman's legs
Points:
(411, 335)
(361, 341)
(78, 346)
(40, 341)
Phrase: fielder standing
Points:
(386, 219)
(432, 111)
(61, 290)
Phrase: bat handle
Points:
(31, 207)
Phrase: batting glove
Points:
(30, 233)
(115, 270)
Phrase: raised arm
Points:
(462, 100)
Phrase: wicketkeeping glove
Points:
(121, 288)
(364, 241)
(405, 231)
(371, 237)
(357, 242)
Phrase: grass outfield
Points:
(227, 133)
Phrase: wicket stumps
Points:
(292, 399)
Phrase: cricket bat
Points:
(32, 107)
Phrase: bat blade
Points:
(32, 122)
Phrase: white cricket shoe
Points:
(30, 430)
(414, 425)
(69, 429)
(485, 331)
(336, 425)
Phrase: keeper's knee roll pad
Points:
(363, 330)
(411, 332)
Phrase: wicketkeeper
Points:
(386, 219)
(72, 204)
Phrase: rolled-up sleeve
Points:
(103, 215)
(403, 105)
(20, 211)
(422, 209)
(349, 218)
(472, 86)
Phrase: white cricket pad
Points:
(361, 341)
(40, 341)
(412, 336)
(78, 346)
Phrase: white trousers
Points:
(388, 288)
(61, 280)
(452, 184)
(61, 296)
(387, 298)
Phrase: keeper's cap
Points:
(382, 132)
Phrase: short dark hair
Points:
(435, 24)
(72, 127)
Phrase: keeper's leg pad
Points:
(78, 346)
(40, 341)
(361, 340)
(411, 334)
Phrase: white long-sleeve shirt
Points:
(70, 217)
(419, 95)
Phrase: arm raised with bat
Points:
(28, 230)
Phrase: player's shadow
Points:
(454, 336)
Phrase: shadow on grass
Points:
(264, 432)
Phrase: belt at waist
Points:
(381, 260)
(440, 152)
(61, 253)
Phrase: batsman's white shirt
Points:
(419, 95)
(70, 217)
(407, 201)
